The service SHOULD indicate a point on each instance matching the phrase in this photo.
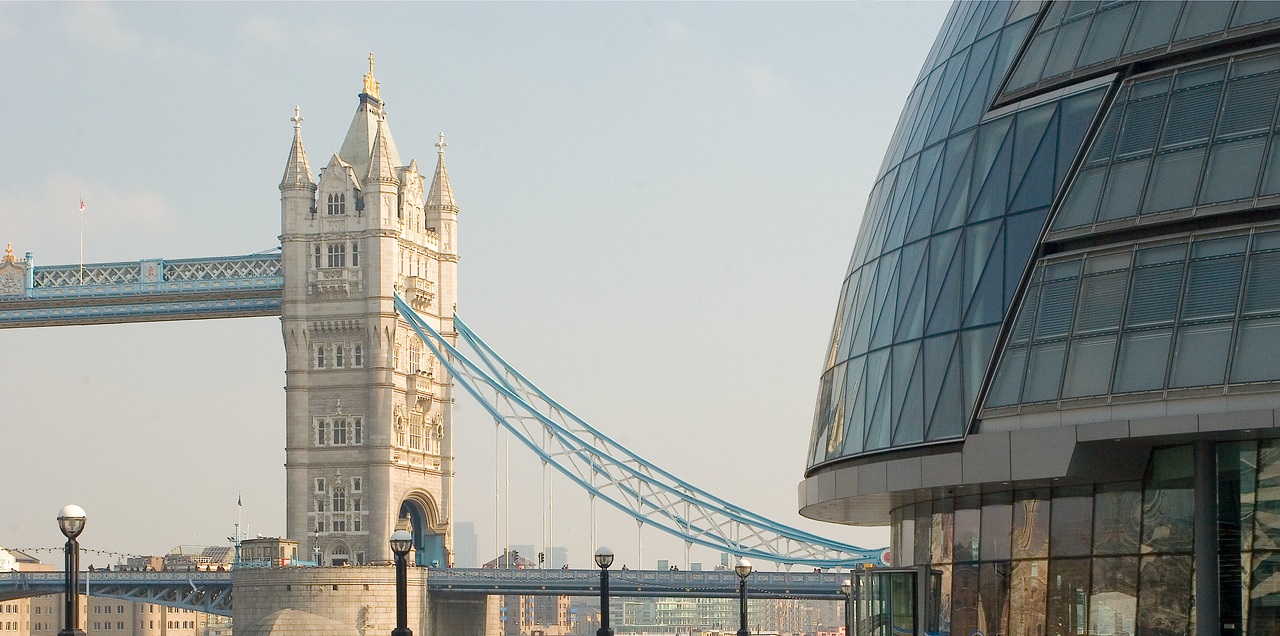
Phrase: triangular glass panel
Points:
(882, 332)
(945, 312)
(911, 320)
(977, 347)
(1022, 236)
(947, 415)
(821, 419)
(942, 251)
(955, 204)
(1076, 117)
(955, 176)
(976, 98)
(901, 211)
(1036, 189)
(878, 399)
(839, 332)
(923, 194)
(835, 411)
(983, 254)
(1027, 135)
(854, 417)
(905, 359)
(938, 350)
(909, 428)
(925, 198)
(952, 93)
(866, 314)
(995, 191)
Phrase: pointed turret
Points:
(442, 211)
(440, 197)
(297, 171)
(381, 167)
(357, 146)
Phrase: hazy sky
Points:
(658, 203)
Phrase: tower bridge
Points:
(211, 592)
(365, 284)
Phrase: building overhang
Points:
(1100, 444)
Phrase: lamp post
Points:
(743, 568)
(847, 588)
(401, 542)
(604, 559)
(71, 521)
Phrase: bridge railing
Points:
(40, 579)
(159, 276)
(708, 583)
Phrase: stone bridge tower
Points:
(368, 408)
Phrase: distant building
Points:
(198, 558)
(42, 615)
(465, 550)
(268, 551)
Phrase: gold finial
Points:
(297, 117)
(441, 144)
(8, 253)
(370, 84)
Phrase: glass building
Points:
(1054, 369)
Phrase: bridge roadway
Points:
(146, 290)
(212, 591)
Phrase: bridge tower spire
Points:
(367, 405)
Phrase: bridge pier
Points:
(351, 601)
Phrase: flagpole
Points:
(82, 240)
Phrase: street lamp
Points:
(847, 588)
(71, 521)
(604, 559)
(401, 542)
(743, 568)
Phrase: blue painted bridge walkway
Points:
(212, 591)
(200, 591)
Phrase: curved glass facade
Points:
(948, 233)
(1069, 269)
(1078, 39)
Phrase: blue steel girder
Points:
(623, 479)
(635, 583)
(147, 291)
(199, 591)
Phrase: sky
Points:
(657, 206)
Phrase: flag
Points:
(82, 204)
(238, 500)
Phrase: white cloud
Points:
(98, 25)
(763, 81)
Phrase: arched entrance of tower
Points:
(419, 513)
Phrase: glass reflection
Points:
(1068, 597)
(1117, 518)
(1027, 595)
(1113, 601)
(1168, 504)
(1164, 606)
(993, 613)
(1031, 525)
(964, 598)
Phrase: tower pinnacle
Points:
(370, 84)
(381, 166)
(297, 171)
(440, 196)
